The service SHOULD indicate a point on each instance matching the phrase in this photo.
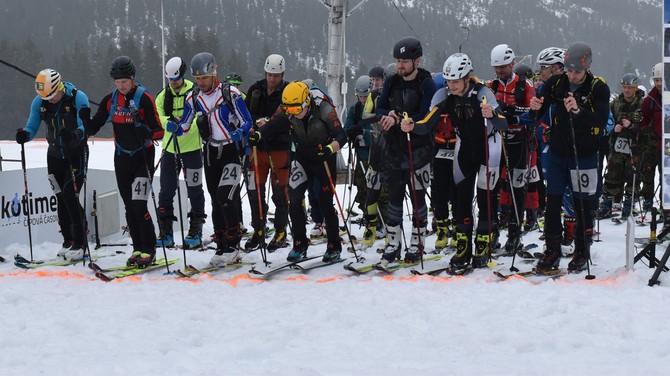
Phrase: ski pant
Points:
(170, 167)
(514, 176)
(561, 173)
(470, 164)
(376, 200)
(278, 171)
(313, 198)
(134, 173)
(619, 175)
(361, 185)
(223, 174)
(303, 173)
(396, 176)
(71, 216)
(443, 187)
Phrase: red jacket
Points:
(652, 111)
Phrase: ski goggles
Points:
(294, 109)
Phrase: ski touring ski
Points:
(269, 270)
(160, 263)
(395, 266)
(554, 273)
(192, 271)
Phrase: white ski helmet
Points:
(456, 66)
(47, 83)
(363, 86)
(550, 56)
(275, 64)
(501, 55)
(657, 71)
(175, 68)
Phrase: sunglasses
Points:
(543, 67)
(294, 109)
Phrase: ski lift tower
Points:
(336, 83)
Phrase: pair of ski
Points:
(190, 271)
(553, 273)
(523, 253)
(363, 266)
(110, 274)
(268, 270)
(24, 263)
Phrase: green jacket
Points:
(190, 141)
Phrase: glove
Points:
(324, 152)
(71, 138)
(254, 138)
(142, 131)
(174, 128)
(22, 136)
(354, 131)
(237, 135)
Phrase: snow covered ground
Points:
(63, 321)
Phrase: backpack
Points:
(519, 90)
(133, 102)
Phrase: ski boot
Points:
(552, 255)
(582, 251)
(254, 241)
(227, 244)
(605, 208)
(482, 250)
(531, 220)
(442, 235)
(415, 249)
(392, 249)
(76, 252)
(569, 224)
(165, 237)
(370, 233)
(67, 244)
(145, 259)
(132, 260)
(513, 244)
(333, 250)
(299, 251)
(194, 238)
(463, 251)
(318, 231)
(278, 241)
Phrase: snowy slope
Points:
(63, 321)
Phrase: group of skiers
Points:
(409, 131)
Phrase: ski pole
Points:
(160, 159)
(337, 198)
(260, 205)
(414, 199)
(178, 161)
(488, 185)
(95, 219)
(581, 197)
(510, 177)
(25, 186)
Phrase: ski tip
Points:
(103, 277)
(21, 265)
(2, 259)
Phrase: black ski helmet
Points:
(524, 71)
(122, 67)
(407, 48)
(629, 79)
(578, 56)
(203, 64)
(376, 72)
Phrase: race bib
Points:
(586, 183)
(298, 175)
(519, 177)
(533, 175)
(423, 177)
(231, 175)
(193, 177)
(141, 189)
(492, 178)
(622, 145)
(445, 154)
(372, 179)
(54, 184)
